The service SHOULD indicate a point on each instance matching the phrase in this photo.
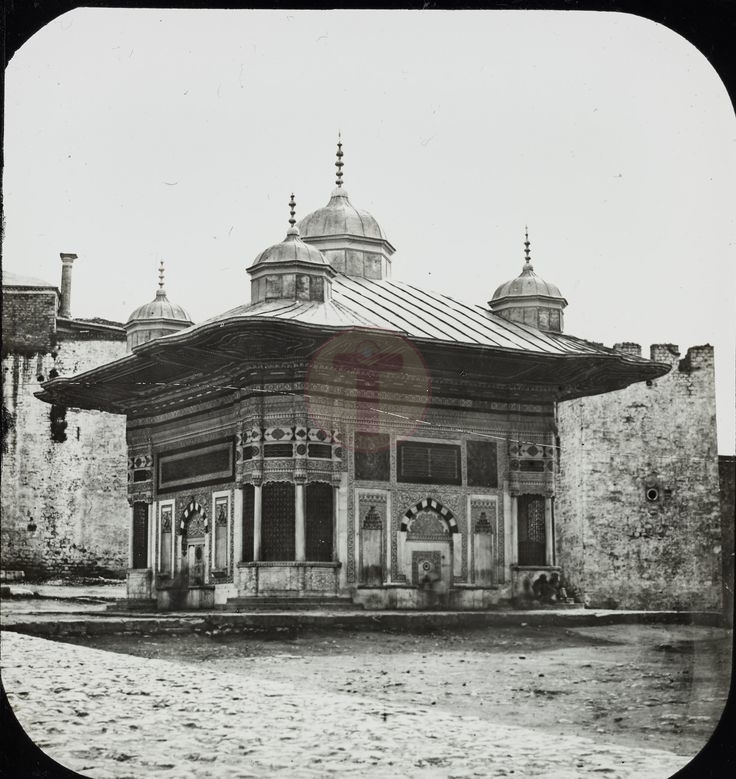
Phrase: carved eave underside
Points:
(221, 359)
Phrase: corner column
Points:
(549, 532)
(130, 536)
(257, 518)
(514, 530)
(300, 538)
(237, 551)
(335, 501)
(151, 557)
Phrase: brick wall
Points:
(637, 511)
(29, 320)
(64, 505)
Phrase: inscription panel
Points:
(196, 466)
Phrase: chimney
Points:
(65, 304)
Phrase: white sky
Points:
(136, 135)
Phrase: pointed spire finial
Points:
(339, 162)
(292, 210)
(527, 252)
(161, 275)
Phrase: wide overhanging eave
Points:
(156, 371)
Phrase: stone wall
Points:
(29, 320)
(637, 511)
(64, 471)
(727, 475)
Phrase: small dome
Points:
(526, 285)
(530, 299)
(160, 308)
(340, 217)
(291, 249)
(157, 318)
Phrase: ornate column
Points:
(210, 530)
(237, 551)
(335, 514)
(257, 515)
(151, 562)
(514, 529)
(549, 532)
(130, 534)
(300, 538)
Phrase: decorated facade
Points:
(347, 438)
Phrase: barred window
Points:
(531, 531)
(278, 521)
(278, 450)
(372, 459)
(140, 535)
(482, 464)
(248, 510)
(319, 522)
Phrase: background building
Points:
(639, 522)
(63, 469)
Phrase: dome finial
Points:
(527, 252)
(161, 277)
(292, 210)
(339, 162)
(293, 229)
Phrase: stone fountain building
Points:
(347, 438)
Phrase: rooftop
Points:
(460, 342)
(16, 280)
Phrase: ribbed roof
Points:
(527, 284)
(391, 305)
(291, 249)
(340, 217)
(159, 308)
(212, 358)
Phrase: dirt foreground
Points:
(635, 685)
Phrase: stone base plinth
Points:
(171, 597)
(138, 584)
(288, 578)
(406, 596)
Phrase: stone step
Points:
(132, 604)
(286, 603)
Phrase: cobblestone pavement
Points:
(111, 715)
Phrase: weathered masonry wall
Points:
(727, 474)
(64, 471)
(637, 513)
(29, 320)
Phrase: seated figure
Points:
(546, 590)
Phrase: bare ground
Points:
(635, 685)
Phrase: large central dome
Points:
(350, 238)
(340, 217)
